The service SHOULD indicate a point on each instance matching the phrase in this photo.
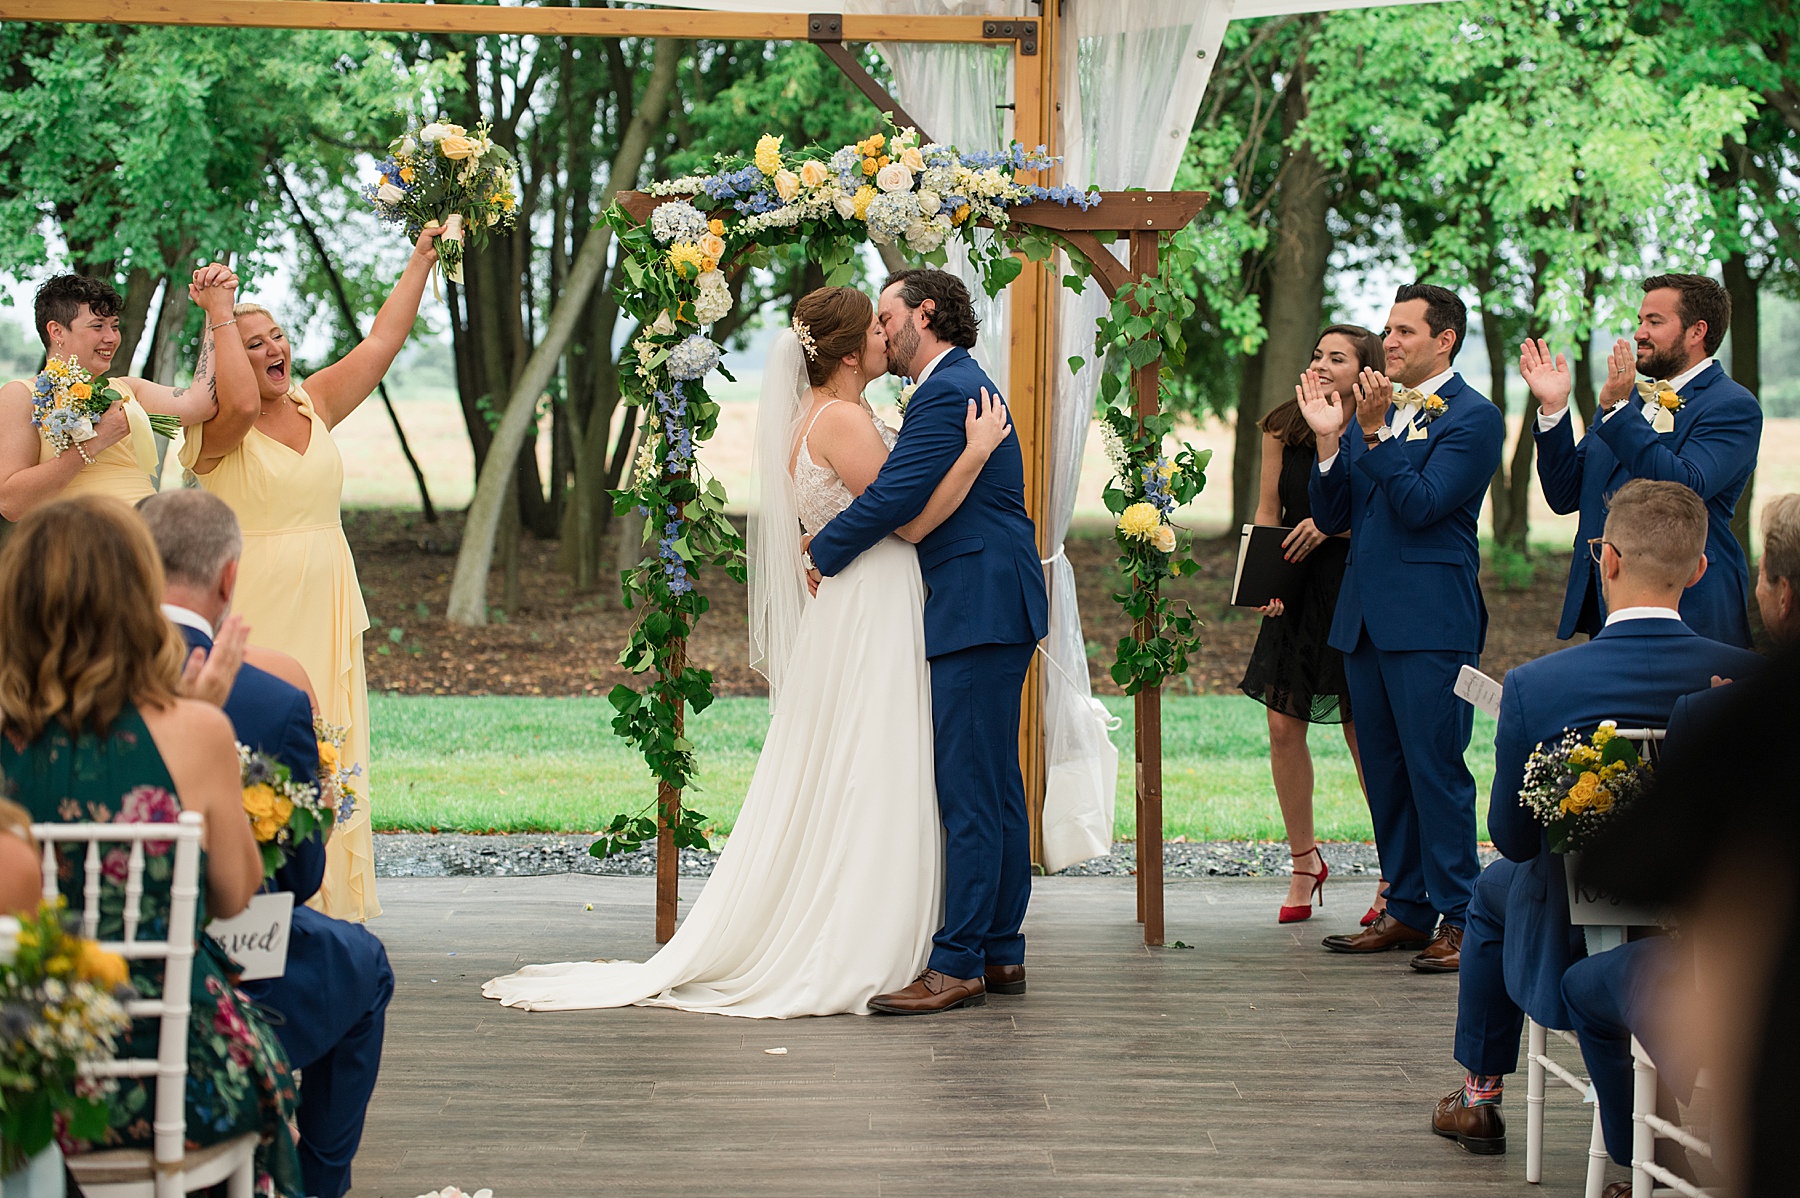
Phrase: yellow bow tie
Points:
(1655, 393)
(1406, 395)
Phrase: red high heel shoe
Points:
(1374, 912)
(1304, 911)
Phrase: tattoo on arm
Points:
(203, 370)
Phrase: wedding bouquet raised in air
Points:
(66, 401)
(282, 811)
(61, 1008)
(1578, 785)
(443, 174)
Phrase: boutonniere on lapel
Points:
(1430, 408)
(1668, 401)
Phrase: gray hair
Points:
(196, 534)
(1781, 537)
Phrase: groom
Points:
(985, 610)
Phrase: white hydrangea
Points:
(694, 358)
(938, 179)
(925, 236)
(890, 215)
(714, 300)
(678, 221)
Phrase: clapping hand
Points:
(986, 424)
(208, 677)
(1621, 374)
(1548, 378)
(1374, 396)
(1325, 414)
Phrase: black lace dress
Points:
(1291, 668)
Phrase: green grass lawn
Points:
(510, 764)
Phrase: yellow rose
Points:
(914, 160)
(454, 130)
(97, 965)
(284, 810)
(1163, 539)
(814, 173)
(266, 829)
(81, 391)
(1668, 399)
(865, 196)
(716, 227)
(407, 174)
(1585, 792)
(259, 800)
(768, 154)
(870, 166)
(328, 757)
(456, 146)
(787, 184)
(876, 141)
(1140, 521)
(712, 246)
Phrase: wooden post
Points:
(668, 814)
(1146, 385)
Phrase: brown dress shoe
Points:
(1480, 1129)
(1444, 953)
(1384, 934)
(933, 992)
(1006, 979)
(1618, 1189)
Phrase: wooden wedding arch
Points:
(1137, 218)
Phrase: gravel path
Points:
(454, 855)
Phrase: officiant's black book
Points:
(1262, 572)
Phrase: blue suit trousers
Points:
(1608, 997)
(1488, 1021)
(1411, 733)
(981, 798)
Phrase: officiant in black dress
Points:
(1292, 671)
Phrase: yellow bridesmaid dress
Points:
(297, 588)
(120, 471)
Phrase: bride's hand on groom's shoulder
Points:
(987, 423)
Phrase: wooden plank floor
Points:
(1253, 1063)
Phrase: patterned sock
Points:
(1482, 1091)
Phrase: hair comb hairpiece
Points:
(803, 335)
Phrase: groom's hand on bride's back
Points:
(987, 423)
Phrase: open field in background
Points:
(375, 473)
(515, 764)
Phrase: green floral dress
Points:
(238, 1078)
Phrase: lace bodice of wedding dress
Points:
(819, 494)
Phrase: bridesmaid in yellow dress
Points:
(78, 317)
(281, 473)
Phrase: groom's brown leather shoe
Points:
(933, 992)
(1480, 1129)
(1006, 979)
(1384, 934)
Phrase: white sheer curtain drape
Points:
(1129, 94)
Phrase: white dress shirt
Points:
(188, 617)
(1647, 407)
(929, 367)
(1642, 613)
(1403, 415)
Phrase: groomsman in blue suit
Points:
(1693, 425)
(1410, 613)
(986, 608)
(335, 993)
(1608, 996)
(1519, 940)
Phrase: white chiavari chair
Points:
(167, 1170)
(1647, 1127)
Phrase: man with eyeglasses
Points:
(1690, 423)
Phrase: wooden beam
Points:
(1120, 210)
(525, 20)
(1146, 386)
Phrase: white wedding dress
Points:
(831, 885)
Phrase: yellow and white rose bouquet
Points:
(444, 174)
(337, 772)
(66, 401)
(1577, 785)
(283, 812)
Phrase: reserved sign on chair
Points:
(257, 938)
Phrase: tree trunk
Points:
(1246, 449)
(140, 289)
(1587, 402)
(1746, 367)
(468, 588)
(165, 342)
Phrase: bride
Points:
(831, 885)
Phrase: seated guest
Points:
(1519, 940)
(335, 992)
(1609, 995)
(21, 877)
(95, 731)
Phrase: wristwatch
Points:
(806, 560)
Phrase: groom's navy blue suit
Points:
(1711, 450)
(985, 610)
(1409, 617)
(334, 995)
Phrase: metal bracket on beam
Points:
(826, 31)
(1023, 32)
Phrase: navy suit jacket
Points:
(1711, 450)
(1632, 672)
(1412, 507)
(274, 717)
(984, 584)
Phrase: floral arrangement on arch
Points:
(676, 281)
(443, 174)
(62, 1007)
(1577, 785)
(283, 812)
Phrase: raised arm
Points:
(1718, 450)
(985, 426)
(213, 289)
(1461, 466)
(340, 387)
